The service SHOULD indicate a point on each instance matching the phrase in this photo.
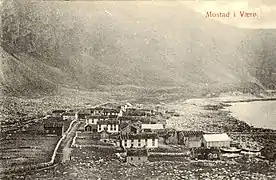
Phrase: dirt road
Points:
(66, 143)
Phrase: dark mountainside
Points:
(113, 46)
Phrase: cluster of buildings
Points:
(119, 122)
(129, 127)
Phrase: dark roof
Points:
(55, 119)
(53, 124)
(58, 111)
(137, 152)
(98, 108)
(190, 133)
(123, 125)
(111, 110)
(108, 122)
(135, 125)
(97, 117)
(91, 125)
(113, 116)
(141, 136)
(69, 114)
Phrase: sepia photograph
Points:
(138, 90)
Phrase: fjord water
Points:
(257, 113)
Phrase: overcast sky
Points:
(266, 9)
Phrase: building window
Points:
(125, 143)
(100, 128)
(153, 142)
(146, 142)
(139, 142)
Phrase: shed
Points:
(91, 128)
(190, 139)
(137, 156)
(53, 128)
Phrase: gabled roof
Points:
(108, 122)
(98, 108)
(91, 125)
(111, 110)
(84, 111)
(134, 125)
(152, 126)
(97, 117)
(216, 137)
(190, 133)
(54, 119)
(53, 124)
(69, 114)
(141, 136)
(58, 111)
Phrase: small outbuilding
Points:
(53, 128)
(91, 128)
(137, 156)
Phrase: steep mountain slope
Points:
(18, 79)
(151, 44)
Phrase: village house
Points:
(92, 119)
(171, 137)
(58, 113)
(125, 120)
(108, 112)
(190, 139)
(125, 106)
(108, 137)
(216, 140)
(130, 128)
(140, 140)
(152, 127)
(112, 126)
(137, 156)
(134, 112)
(98, 111)
(148, 112)
(69, 116)
(82, 115)
(104, 135)
(91, 128)
(53, 128)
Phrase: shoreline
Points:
(213, 115)
(252, 100)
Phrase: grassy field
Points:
(28, 146)
(23, 149)
(101, 163)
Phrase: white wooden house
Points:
(216, 140)
(141, 140)
(111, 126)
(92, 119)
(70, 116)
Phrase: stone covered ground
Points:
(91, 163)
